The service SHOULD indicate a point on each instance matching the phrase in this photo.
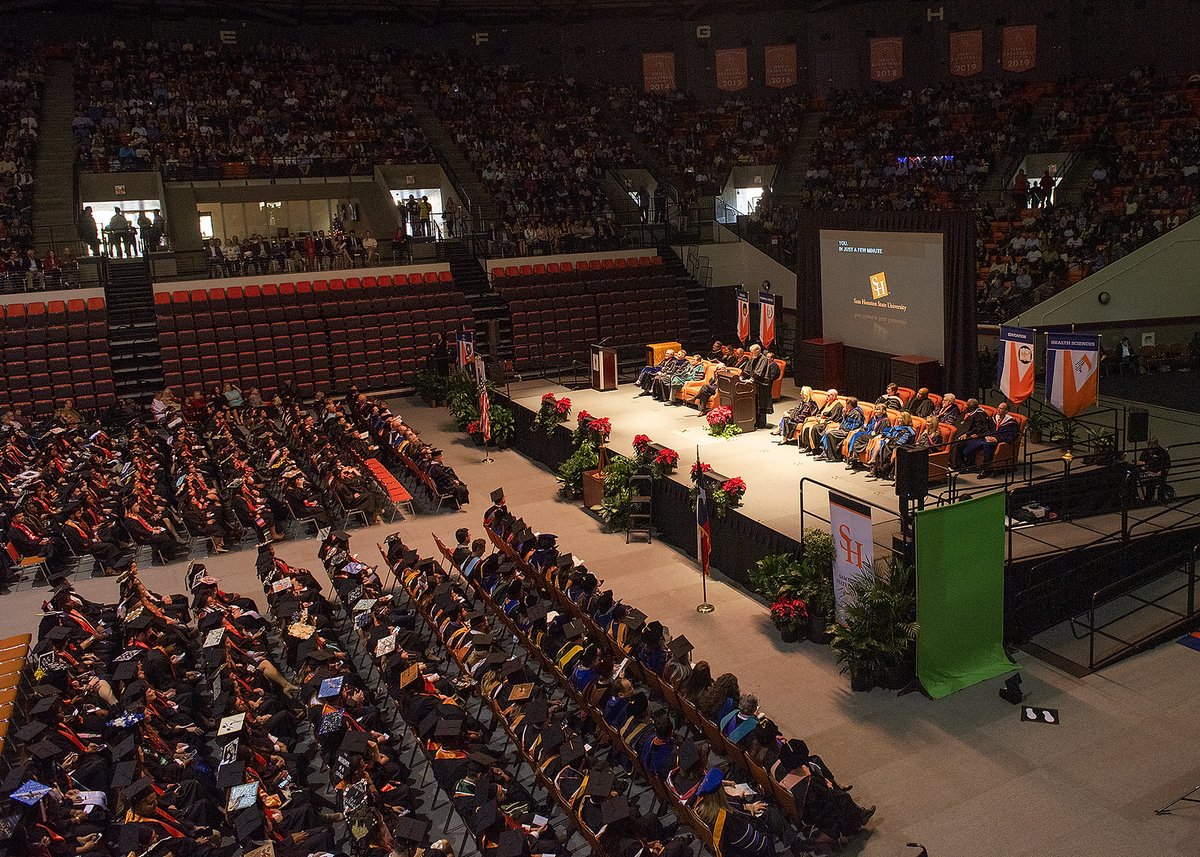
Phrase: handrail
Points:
(890, 513)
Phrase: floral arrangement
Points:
(602, 427)
(473, 427)
(734, 488)
(664, 462)
(789, 612)
(591, 430)
(721, 424)
(553, 413)
(699, 469)
(641, 443)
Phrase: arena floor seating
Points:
(371, 330)
(54, 351)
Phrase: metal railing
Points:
(300, 166)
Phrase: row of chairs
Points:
(14, 654)
(584, 269)
(395, 491)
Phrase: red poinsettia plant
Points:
(473, 427)
(699, 469)
(734, 488)
(788, 611)
(641, 443)
(667, 458)
(552, 413)
(720, 422)
(601, 426)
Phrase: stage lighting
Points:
(1011, 692)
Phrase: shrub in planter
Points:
(552, 413)
(618, 493)
(876, 645)
(431, 387)
(789, 613)
(570, 472)
(815, 582)
(771, 572)
(504, 425)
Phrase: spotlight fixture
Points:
(1011, 692)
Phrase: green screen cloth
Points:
(960, 594)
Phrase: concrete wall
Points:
(206, 284)
(1159, 281)
(45, 297)
(740, 262)
(573, 258)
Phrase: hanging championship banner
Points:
(887, 59)
(658, 72)
(1072, 361)
(780, 65)
(1018, 48)
(731, 70)
(853, 547)
(1016, 363)
(766, 319)
(966, 53)
(466, 347)
(743, 316)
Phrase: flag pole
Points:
(703, 606)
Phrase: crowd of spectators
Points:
(699, 142)
(537, 144)
(21, 76)
(208, 110)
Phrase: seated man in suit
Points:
(810, 433)
(975, 423)
(948, 413)
(1004, 430)
(708, 390)
(891, 398)
(921, 405)
(831, 438)
(692, 370)
(646, 376)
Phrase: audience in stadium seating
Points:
(210, 111)
(21, 74)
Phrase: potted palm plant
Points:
(876, 643)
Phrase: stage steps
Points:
(132, 332)
(789, 176)
(699, 331)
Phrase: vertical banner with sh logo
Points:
(853, 546)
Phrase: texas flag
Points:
(743, 316)
(1071, 377)
(1016, 363)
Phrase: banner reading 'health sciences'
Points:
(1072, 361)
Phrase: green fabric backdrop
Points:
(960, 594)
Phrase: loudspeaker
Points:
(912, 472)
(1137, 425)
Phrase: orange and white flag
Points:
(1072, 376)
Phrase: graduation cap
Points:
(482, 757)
(537, 612)
(481, 641)
(633, 619)
(13, 779)
(485, 816)
(45, 749)
(410, 558)
(124, 672)
(565, 560)
(134, 791)
(510, 844)
(125, 748)
(615, 809)
(496, 659)
(448, 728)
(599, 784)
(140, 621)
(409, 829)
(573, 629)
(537, 711)
(339, 536)
(520, 692)
(123, 774)
(354, 743)
(427, 725)
(511, 668)
(553, 738)
(680, 647)
(242, 796)
(319, 656)
(129, 837)
(330, 687)
(247, 823)
(231, 774)
(572, 753)
(523, 536)
(545, 541)
(44, 705)
(30, 731)
(497, 496)
(59, 632)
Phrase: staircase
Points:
(642, 154)
(458, 169)
(699, 332)
(54, 202)
(486, 306)
(132, 334)
(789, 176)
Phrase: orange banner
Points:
(731, 70)
(966, 53)
(780, 66)
(887, 59)
(1018, 48)
(658, 72)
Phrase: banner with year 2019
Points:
(966, 53)
(853, 547)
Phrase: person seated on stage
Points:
(810, 432)
(718, 351)
(852, 420)
(891, 398)
(447, 480)
(794, 418)
(646, 376)
(975, 424)
(708, 390)
(693, 370)
(948, 413)
(1004, 430)
(1153, 465)
(660, 381)
(871, 431)
(920, 405)
(881, 456)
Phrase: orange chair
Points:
(692, 388)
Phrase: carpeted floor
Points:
(962, 775)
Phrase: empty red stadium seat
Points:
(445, 277)
(431, 276)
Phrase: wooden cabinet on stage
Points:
(738, 396)
(914, 371)
(820, 363)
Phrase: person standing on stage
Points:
(763, 369)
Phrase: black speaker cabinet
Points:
(1137, 426)
(912, 472)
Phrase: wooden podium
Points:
(738, 396)
(604, 368)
